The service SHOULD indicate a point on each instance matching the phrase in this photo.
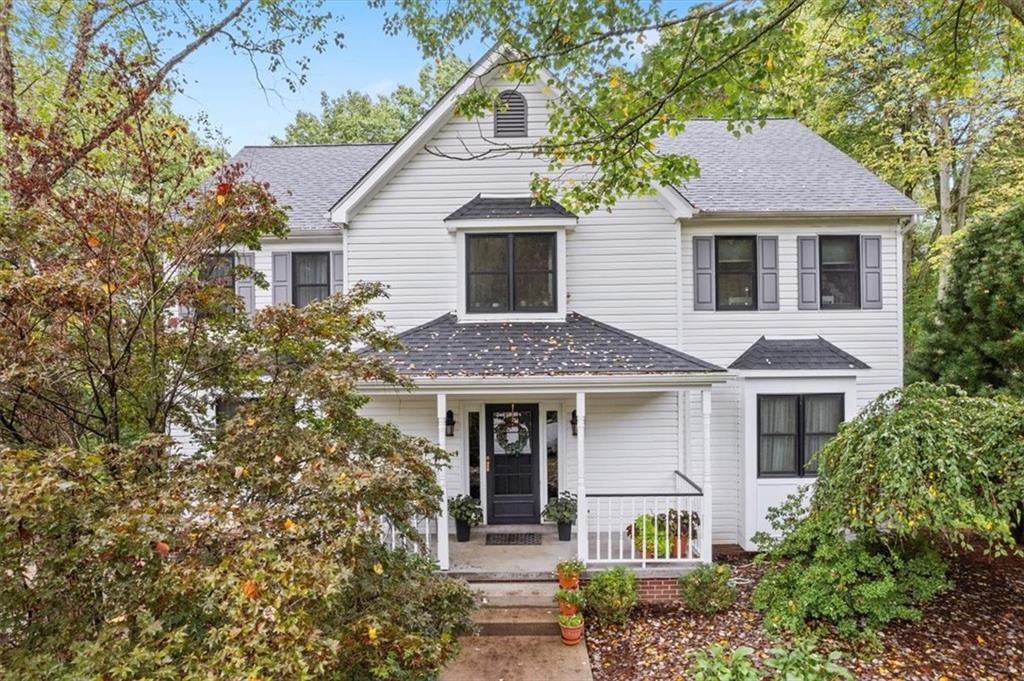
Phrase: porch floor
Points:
(476, 561)
(476, 558)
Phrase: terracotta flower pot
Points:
(571, 635)
(568, 582)
(567, 609)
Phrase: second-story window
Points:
(311, 278)
(840, 272)
(219, 269)
(736, 272)
(510, 273)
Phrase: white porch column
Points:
(706, 521)
(442, 480)
(581, 488)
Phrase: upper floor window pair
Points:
(513, 272)
(836, 272)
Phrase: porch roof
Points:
(798, 354)
(577, 347)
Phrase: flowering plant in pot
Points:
(570, 601)
(569, 571)
(466, 512)
(664, 534)
(572, 628)
(562, 510)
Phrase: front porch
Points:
(530, 411)
(664, 529)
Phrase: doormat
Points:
(512, 539)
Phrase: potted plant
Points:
(572, 628)
(466, 512)
(569, 571)
(663, 535)
(679, 525)
(570, 601)
(562, 510)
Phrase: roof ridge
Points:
(633, 336)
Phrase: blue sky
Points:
(224, 85)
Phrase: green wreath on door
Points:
(503, 429)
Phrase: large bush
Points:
(976, 339)
(258, 556)
(924, 470)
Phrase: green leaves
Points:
(923, 470)
(976, 339)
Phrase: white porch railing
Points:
(657, 529)
(425, 543)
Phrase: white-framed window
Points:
(511, 273)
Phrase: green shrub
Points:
(803, 662)
(718, 664)
(611, 595)
(855, 585)
(708, 589)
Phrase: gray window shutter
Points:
(245, 288)
(807, 264)
(337, 272)
(767, 273)
(281, 278)
(703, 273)
(871, 272)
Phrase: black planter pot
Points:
(461, 530)
(564, 531)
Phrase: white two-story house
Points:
(686, 352)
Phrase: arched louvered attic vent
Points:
(510, 118)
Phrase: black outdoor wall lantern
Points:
(573, 421)
(449, 423)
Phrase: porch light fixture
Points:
(449, 423)
(572, 422)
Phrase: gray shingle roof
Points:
(308, 179)
(579, 345)
(485, 207)
(782, 167)
(796, 354)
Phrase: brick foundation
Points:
(658, 590)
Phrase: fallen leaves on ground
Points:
(975, 631)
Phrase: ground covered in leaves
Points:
(975, 631)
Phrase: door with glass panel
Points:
(513, 463)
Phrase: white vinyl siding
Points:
(873, 336)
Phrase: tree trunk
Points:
(945, 170)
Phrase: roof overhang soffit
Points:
(555, 384)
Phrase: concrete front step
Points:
(518, 658)
(500, 594)
(491, 621)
